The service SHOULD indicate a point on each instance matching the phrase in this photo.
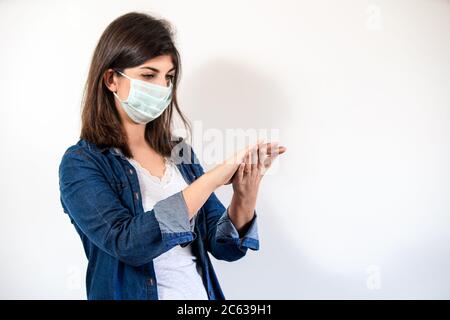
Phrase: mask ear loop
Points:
(123, 74)
(115, 94)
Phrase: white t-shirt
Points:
(178, 275)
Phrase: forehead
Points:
(163, 63)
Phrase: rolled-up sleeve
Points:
(223, 240)
(227, 233)
(173, 217)
(89, 199)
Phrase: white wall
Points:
(358, 91)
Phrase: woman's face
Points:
(159, 70)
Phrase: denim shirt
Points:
(99, 190)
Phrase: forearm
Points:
(241, 211)
(196, 194)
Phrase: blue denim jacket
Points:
(99, 190)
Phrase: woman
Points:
(144, 208)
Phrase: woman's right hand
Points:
(223, 172)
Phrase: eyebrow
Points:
(154, 69)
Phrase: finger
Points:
(255, 160)
(262, 155)
(240, 172)
(256, 147)
(248, 160)
(268, 161)
(273, 148)
(276, 151)
(281, 149)
(266, 164)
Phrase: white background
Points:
(359, 92)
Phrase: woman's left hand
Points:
(246, 182)
(257, 161)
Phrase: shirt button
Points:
(150, 281)
(136, 195)
(130, 171)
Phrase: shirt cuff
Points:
(227, 232)
(173, 217)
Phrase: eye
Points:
(148, 76)
(170, 76)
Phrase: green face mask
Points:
(146, 101)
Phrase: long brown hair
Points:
(127, 42)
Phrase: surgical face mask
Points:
(146, 101)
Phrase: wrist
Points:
(245, 197)
(212, 179)
(241, 216)
(243, 203)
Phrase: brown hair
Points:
(127, 42)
